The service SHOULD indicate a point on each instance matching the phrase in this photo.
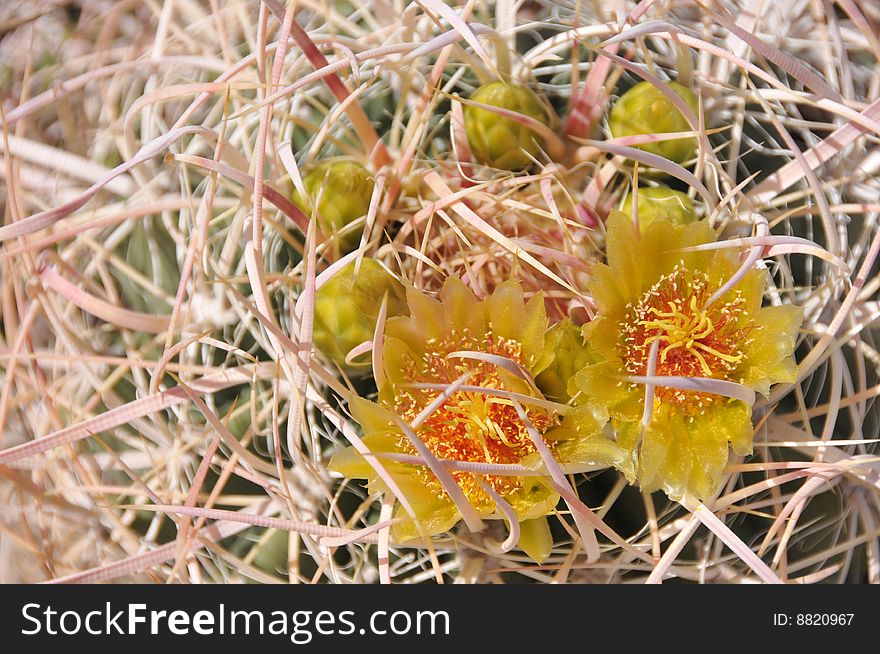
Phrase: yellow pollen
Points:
(469, 426)
(696, 340)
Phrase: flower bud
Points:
(661, 202)
(645, 110)
(347, 189)
(568, 352)
(498, 141)
(346, 307)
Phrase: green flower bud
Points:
(566, 353)
(346, 307)
(645, 110)
(498, 141)
(661, 202)
(347, 189)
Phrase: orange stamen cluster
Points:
(469, 426)
(696, 339)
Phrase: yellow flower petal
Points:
(595, 450)
(534, 499)
(463, 311)
(751, 287)
(371, 416)
(407, 331)
(396, 356)
(349, 462)
(434, 515)
(533, 325)
(603, 336)
(678, 454)
(535, 539)
(608, 296)
(505, 308)
(769, 360)
(426, 312)
(733, 419)
(601, 387)
(579, 421)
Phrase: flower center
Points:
(694, 340)
(470, 426)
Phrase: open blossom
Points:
(657, 296)
(499, 344)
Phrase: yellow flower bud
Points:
(564, 342)
(661, 202)
(498, 141)
(346, 307)
(347, 189)
(645, 110)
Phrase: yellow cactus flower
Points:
(499, 141)
(655, 295)
(346, 307)
(661, 202)
(645, 110)
(499, 343)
